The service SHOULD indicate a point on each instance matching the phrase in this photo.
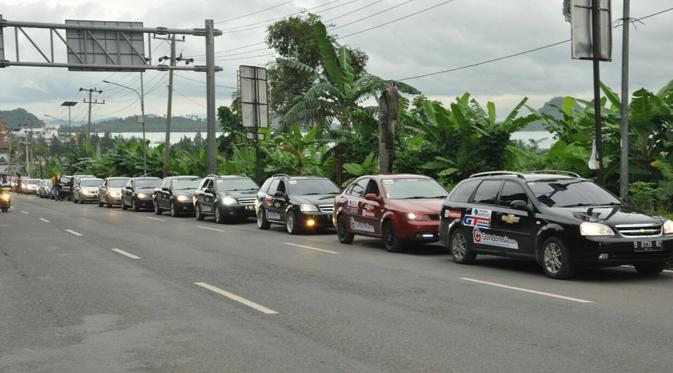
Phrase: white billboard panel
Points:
(582, 31)
(112, 48)
(253, 96)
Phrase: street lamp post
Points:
(142, 109)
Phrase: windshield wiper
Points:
(581, 205)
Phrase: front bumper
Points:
(418, 230)
(313, 220)
(238, 211)
(113, 200)
(186, 206)
(88, 197)
(609, 251)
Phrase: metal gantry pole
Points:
(142, 113)
(210, 100)
(88, 123)
(624, 111)
(169, 112)
(596, 44)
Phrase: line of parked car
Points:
(556, 218)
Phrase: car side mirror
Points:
(519, 204)
(372, 197)
(165, 189)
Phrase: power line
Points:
(354, 11)
(373, 15)
(253, 13)
(265, 22)
(202, 82)
(633, 20)
(189, 98)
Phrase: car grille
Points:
(326, 208)
(637, 230)
(246, 201)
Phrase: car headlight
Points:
(595, 229)
(668, 227)
(308, 207)
(413, 216)
(183, 198)
(142, 195)
(115, 194)
(229, 201)
(5, 197)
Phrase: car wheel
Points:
(343, 234)
(134, 205)
(157, 209)
(123, 204)
(556, 261)
(219, 218)
(174, 212)
(649, 269)
(291, 223)
(390, 239)
(460, 251)
(262, 223)
(198, 213)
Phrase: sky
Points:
(453, 34)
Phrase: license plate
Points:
(250, 208)
(645, 246)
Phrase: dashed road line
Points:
(73, 232)
(551, 295)
(125, 253)
(211, 229)
(45, 220)
(236, 298)
(157, 219)
(310, 248)
(25, 212)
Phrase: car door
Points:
(198, 195)
(209, 196)
(513, 227)
(128, 192)
(164, 196)
(479, 217)
(279, 201)
(353, 205)
(370, 211)
(102, 191)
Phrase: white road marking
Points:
(45, 220)
(127, 254)
(310, 248)
(527, 290)
(25, 212)
(73, 232)
(629, 266)
(157, 219)
(236, 298)
(211, 229)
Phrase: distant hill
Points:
(15, 118)
(153, 123)
(548, 108)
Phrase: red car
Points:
(397, 208)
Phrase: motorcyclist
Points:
(56, 186)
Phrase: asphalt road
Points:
(88, 289)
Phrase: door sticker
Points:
(363, 227)
(510, 219)
(478, 218)
(352, 202)
(368, 211)
(453, 214)
(489, 239)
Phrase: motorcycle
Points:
(5, 199)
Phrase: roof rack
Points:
(555, 172)
(498, 173)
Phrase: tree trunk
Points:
(389, 104)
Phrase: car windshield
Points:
(304, 187)
(117, 183)
(413, 189)
(91, 182)
(242, 183)
(571, 193)
(180, 184)
(147, 183)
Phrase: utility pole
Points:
(90, 102)
(210, 100)
(596, 45)
(624, 111)
(169, 112)
(389, 106)
(142, 112)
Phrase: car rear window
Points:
(463, 191)
(487, 192)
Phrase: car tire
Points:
(556, 260)
(291, 223)
(219, 218)
(460, 249)
(262, 223)
(390, 240)
(124, 204)
(157, 209)
(174, 212)
(198, 213)
(134, 205)
(343, 234)
(649, 269)
(108, 205)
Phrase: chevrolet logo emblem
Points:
(642, 231)
(510, 219)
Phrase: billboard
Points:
(581, 29)
(100, 47)
(254, 98)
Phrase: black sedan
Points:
(138, 193)
(226, 198)
(175, 195)
(560, 220)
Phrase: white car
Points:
(86, 190)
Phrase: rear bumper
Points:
(607, 252)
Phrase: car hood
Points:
(114, 190)
(144, 190)
(241, 193)
(89, 189)
(423, 206)
(186, 192)
(610, 215)
(318, 199)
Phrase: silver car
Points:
(110, 192)
(86, 189)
